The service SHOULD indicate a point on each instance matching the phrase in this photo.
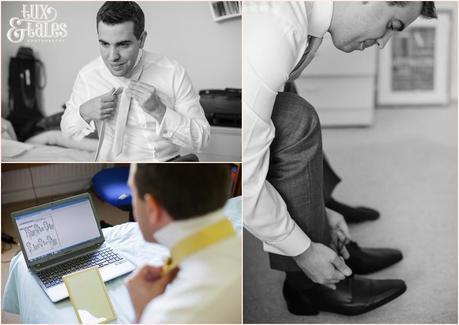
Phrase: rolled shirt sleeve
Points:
(270, 52)
(73, 126)
(185, 123)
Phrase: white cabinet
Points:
(341, 86)
(225, 145)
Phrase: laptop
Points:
(63, 237)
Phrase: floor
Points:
(104, 211)
(406, 167)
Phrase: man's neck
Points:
(136, 65)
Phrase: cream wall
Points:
(452, 7)
(185, 31)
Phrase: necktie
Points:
(208, 236)
(308, 55)
(122, 114)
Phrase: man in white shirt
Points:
(180, 206)
(142, 104)
(283, 161)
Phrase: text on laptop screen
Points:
(49, 230)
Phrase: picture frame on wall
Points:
(223, 10)
(413, 67)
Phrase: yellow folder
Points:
(89, 296)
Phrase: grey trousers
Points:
(296, 170)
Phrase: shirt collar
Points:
(138, 67)
(320, 18)
(177, 230)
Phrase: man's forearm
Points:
(158, 113)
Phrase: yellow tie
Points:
(208, 236)
(308, 55)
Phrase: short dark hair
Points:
(185, 190)
(427, 10)
(117, 12)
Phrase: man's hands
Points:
(147, 284)
(99, 108)
(103, 107)
(339, 232)
(147, 98)
(322, 265)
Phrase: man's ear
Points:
(142, 38)
(154, 210)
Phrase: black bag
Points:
(222, 107)
(23, 87)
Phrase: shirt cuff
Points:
(292, 245)
(84, 127)
(168, 125)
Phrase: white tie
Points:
(122, 116)
(121, 120)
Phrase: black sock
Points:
(298, 280)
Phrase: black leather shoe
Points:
(353, 296)
(353, 214)
(368, 260)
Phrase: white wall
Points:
(452, 7)
(47, 180)
(185, 31)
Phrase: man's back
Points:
(207, 288)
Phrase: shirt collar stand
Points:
(177, 230)
(320, 18)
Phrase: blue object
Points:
(111, 187)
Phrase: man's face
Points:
(119, 47)
(358, 25)
(139, 208)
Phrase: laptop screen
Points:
(53, 228)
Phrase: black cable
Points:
(33, 186)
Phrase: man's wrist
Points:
(158, 113)
(86, 118)
(307, 250)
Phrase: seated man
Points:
(201, 283)
(143, 104)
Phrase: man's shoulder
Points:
(92, 66)
(219, 260)
(158, 60)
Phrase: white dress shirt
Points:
(274, 39)
(145, 138)
(207, 288)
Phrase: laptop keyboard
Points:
(53, 276)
